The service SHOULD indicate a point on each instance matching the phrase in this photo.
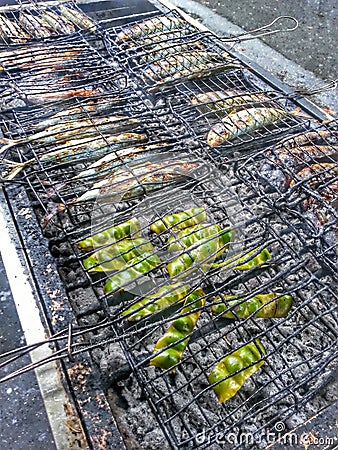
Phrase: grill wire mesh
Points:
(301, 347)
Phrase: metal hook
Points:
(265, 27)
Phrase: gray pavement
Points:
(310, 51)
(23, 421)
(313, 45)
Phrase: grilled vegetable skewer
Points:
(178, 332)
(224, 373)
(259, 306)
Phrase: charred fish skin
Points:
(143, 179)
(242, 122)
(81, 128)
(163, 50)
(164, 68)
(227, 101)
(59, 24)
(12, 31)
(282, 162)
(48, 97)
(80, 19)
(323, 137)
(79, 149)
(148, 27)
(35, 25)
(105, 165)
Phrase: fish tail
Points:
(14, 168)
(299, 113)
(8, 143)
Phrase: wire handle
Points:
(247, 35)
(317, 88)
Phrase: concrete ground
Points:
(304, 58)
(23, 421)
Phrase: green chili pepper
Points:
(238, 360)
(136, 267)
(131, 227)
(115, 256)
(204, 253)
(249, 263)
(190, 236)
(163, 298)
(179, 329)
(260, 306)
(180, 220)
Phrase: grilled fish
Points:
(323, 178)
(228, 101)
(34, 60)
(59, 24)
(94, 107)
(12, 31)
(164, 49)
(46, 97)
(82, 128)
(80, 19)
(35, 25)
(143, 178)
(78, 149)
(110, 162)
(189, 65)
(310, 137)
(244, 121)
(149, 26)
(282, 162)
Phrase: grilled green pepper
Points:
(190, 236)
(238, 360)
(163, 298)
(179, 329)
(115, 256)
(244, 261)
(180, 220)
(131, 227)
(260, 306)
(136, 267)
(204, 253)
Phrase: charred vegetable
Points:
(203, 253)
(136, 267)
(179, 221)
(178, 332)
(115, 256)
(131, 228)
(162, 299)
(190, 236)
(225, 372)
(245, 260)
(260, 306)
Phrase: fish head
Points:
(217, 134)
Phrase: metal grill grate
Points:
(27, 22)
(300, 347)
